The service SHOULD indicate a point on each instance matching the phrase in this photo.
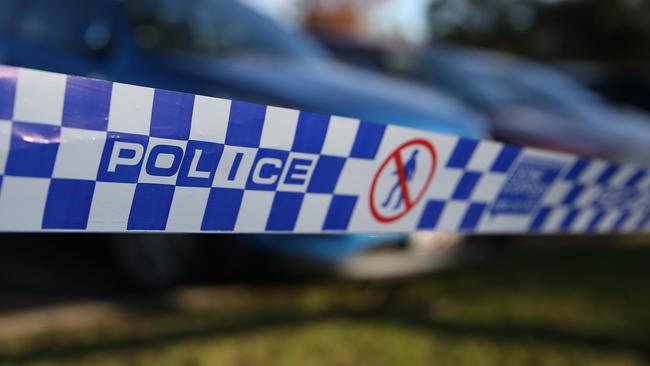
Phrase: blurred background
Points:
(565, 75)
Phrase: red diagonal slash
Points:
(402, 180)
(410, 198)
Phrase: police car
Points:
(217, 48)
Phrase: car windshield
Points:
(213, 27)
(499, 81)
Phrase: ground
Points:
(580, 306)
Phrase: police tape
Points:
(78, 154)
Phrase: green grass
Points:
(582, 307)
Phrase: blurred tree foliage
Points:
(604, 30)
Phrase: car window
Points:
(61, 23)
(209, 27)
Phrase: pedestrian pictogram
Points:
(402, 180)
(409, 169)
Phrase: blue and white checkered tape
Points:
(78, 154)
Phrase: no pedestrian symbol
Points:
(402, 180)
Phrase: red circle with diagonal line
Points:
(409, 198)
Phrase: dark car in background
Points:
(527, 103)
(219, 48)
(627, 85)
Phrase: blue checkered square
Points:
(472, 216)
(340, 212)
(462, 153)
(7, 91)
(245, 124)
(598, 217)
(636, 177)
(171, 116)
(68, 204)
(326, 174)
(33, 148)
(607, 174)
(150, 207)
(569, 219)
(310, 133)
(540, 218)
(573, 194)
(431, 214)
(366, 143)
(618, 225)
(506, 158)
(284, 211)
(466, 185)
(578, 167)
(222, 209)
(87, 103)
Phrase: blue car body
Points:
(221, 48)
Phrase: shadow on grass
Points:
(600, 273)
(439, 328)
